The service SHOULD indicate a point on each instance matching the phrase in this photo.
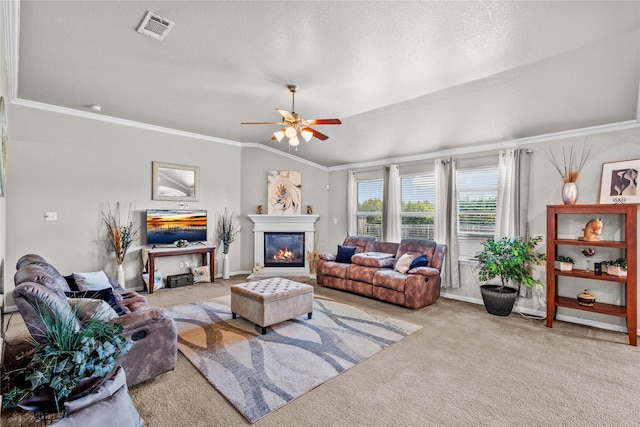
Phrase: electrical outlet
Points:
(186, 264)
(182, 264)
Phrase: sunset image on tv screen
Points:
(168, 226)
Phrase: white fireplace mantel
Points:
(282, 223)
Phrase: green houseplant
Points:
(511, 259)
(616, 267)
(564, 263)
(68, 363)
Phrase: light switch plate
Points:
(51, 216)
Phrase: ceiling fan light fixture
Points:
(295, 126)
(291, 132)
(279, 135)
(307, 135)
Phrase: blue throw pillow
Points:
(103, 294)
(345, 253)
(420, 261)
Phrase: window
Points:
(477, 197)
(418, 206)
(369, 214)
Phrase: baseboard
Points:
(543, 314)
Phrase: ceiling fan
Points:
(294, 125)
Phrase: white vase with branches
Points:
(120, 236)
(570, 170)
(228, 230)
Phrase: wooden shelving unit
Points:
(629, 214)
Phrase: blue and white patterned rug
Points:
(261, 373)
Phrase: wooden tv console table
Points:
(150, 254)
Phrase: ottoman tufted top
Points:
(272, 289)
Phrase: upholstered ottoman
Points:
(270, 301)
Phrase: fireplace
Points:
(284, 249)
(282, 224)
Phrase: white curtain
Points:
(391, 205)
(513, 194)
(352, 203)
(513, 197)
(446, 219)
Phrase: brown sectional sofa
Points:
(371, 271)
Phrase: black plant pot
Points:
(498, 300)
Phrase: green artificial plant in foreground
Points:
(65, 357)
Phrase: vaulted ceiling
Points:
(405, 78)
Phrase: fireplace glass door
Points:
(283, 249)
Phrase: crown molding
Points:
(283, 154)
(593, 130)
(119, 121)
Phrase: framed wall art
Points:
(175, 182)
(619, 183)
(284, 192)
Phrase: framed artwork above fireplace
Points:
(284, 193)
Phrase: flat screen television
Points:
(167, 225)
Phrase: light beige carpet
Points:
(260, 373)
(463, 368)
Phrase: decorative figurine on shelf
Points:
(259, 209)
(592, 230)
(309, 210)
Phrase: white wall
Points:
(545, 189)
(75, 166)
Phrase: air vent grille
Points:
(155, 26)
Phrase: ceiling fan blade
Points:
(317, 134)
(286, 115)
(323, 122)
(263, 123)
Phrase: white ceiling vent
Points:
(155, 26)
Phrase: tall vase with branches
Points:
(228, 230)
(120, 235)
(570, 170)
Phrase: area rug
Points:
(261, 373)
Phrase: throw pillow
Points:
(345, 253)
(157, 280)
(93, 281)
(420, 261)
(402, 266)
(71, 282)
(200, 274)
(105, 295)
(86, 308)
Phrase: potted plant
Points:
(511, 259)
(616, 267)
(67, 364)
(563, 263)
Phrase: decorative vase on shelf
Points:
(225, 266)
(120, 274)
(570, 193)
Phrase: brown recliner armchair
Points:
(153, 336)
